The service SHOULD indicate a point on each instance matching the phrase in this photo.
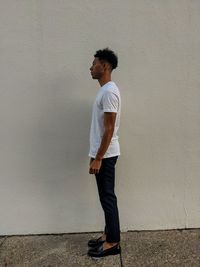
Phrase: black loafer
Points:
(95, 242)
(99, 252)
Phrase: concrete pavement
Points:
(146, 248)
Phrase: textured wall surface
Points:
(46, 96)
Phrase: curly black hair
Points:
(109, 56)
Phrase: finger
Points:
(90, 171)
(96, 171)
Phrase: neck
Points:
(104, 79)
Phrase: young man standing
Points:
(104, 151)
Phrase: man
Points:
(104, 151)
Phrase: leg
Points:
(106, 182)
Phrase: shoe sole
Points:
(98, 258)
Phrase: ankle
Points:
(110, 245)
(113, 244)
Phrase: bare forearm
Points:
(105, 142)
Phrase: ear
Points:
(106, 66)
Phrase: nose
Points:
(90, 68)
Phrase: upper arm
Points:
(110, 103)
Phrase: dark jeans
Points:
(106, 183)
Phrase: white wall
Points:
(46, 96)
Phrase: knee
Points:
(109, 201)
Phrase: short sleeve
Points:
(110, 102)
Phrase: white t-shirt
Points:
(107, 100)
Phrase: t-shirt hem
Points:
(110, 110)
(105, 157)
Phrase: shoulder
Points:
(111, 88)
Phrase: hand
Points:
(95, 166)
